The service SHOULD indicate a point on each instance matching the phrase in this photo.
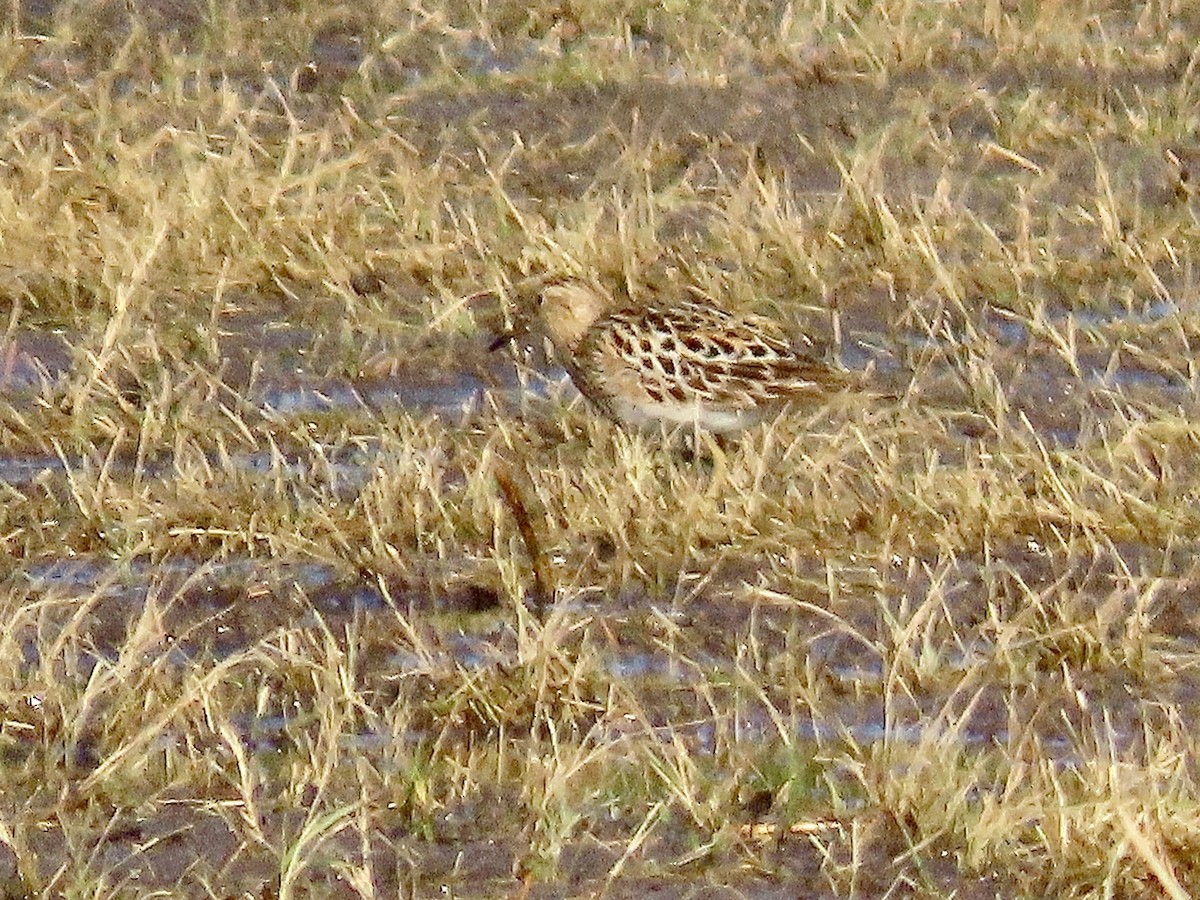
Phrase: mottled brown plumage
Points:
(689, 362)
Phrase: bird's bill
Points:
(502, 340)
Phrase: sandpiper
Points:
(689, 362)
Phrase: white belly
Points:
(695, 414)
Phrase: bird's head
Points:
(567, 307)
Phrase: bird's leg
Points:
(719, 475)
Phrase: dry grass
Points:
(273, 625)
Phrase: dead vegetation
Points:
(280, 533)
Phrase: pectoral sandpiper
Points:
(686, 363)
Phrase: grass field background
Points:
(307, 594)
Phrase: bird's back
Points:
(694, 362)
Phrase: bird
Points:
(682, 362)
